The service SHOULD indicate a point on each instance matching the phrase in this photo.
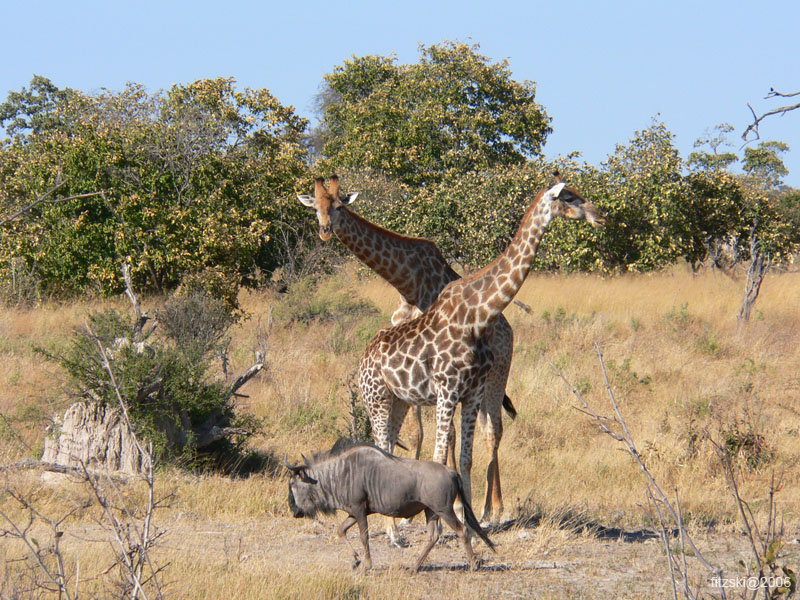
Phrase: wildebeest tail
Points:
(470, 517)
(512, 412)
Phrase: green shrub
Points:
(165, 379)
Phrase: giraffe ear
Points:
(556, 190)
(306, 199)
(349, 198)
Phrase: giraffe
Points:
(443, 355)
(417, 270)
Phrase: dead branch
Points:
(523, 306)
(248, 375)
(665, 540)
(142, 539)
(58, 576)
(759, 265)
(753, 127)
(45, 199)
(141, 318)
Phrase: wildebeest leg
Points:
(449, 517)
(433, 536)
(363, 530)
(347, 524)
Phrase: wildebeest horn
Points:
(292, 468)
(305, 460)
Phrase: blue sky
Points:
(603, 69)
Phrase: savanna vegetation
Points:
(193, 189)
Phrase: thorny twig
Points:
(665, 540)
(57, 577)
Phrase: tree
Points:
(715, 160)
(764, 164)
(645, 196)
(32, 110)
(186, 181)
(453, 111)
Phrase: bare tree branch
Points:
(45, 199)
(753, 127)
(773, 93)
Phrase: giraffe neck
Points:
(489, 291)
(413, 266)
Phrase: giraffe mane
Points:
(481, 272)
(389, 233)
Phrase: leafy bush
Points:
(166, 380)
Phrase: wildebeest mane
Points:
(342, 445)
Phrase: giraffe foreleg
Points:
(396, 418)
(469, 415)
(445, 408)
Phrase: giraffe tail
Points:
(512, 412)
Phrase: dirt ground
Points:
(598, 564)
(276, 556)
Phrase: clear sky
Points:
(603, 69)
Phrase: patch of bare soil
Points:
(596, 564)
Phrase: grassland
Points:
(684, 371)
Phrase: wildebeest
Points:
(361, 479)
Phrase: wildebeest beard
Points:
(293, 506)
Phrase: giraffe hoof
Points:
(398, 542)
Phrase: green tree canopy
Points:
(190, 180)
(32, 110)
(452, 112)
(713, 159)
(764, 164)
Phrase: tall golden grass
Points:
(684, 371)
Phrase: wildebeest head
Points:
(306, 498)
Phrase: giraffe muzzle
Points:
(325, 232)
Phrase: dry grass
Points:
(681, 365)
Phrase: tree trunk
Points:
(96, 436)
(759, 265)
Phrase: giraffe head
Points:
(568, 203)
(325, 201)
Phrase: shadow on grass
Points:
(242, 465)
(578, 523)
(454, 568)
